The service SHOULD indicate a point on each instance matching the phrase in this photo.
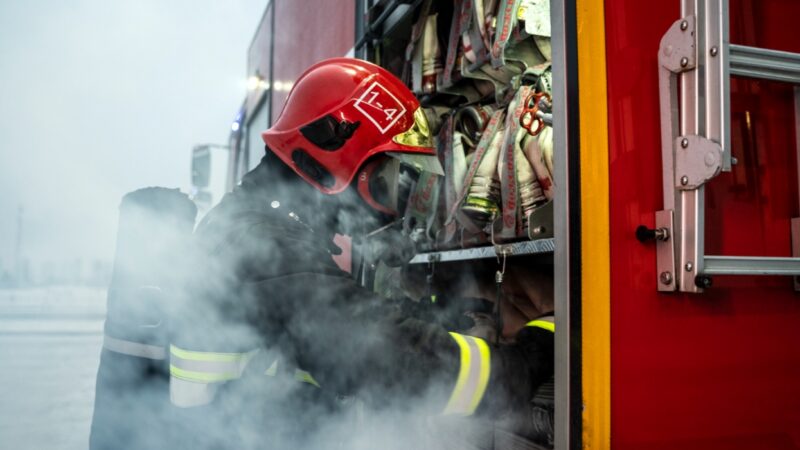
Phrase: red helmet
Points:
(341, 112)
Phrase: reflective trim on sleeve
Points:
(202, 377)
(207, 367)
(131, 348)
(207, 356)
(473, 375)
(272, 370)
(194, 375)
(188, 394)
(546, 323)
(305, 377)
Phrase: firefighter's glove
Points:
(536, 347)
(453, 313)
(391, 246)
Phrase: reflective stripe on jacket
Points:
(194, 375)
(473, 375)
(546, 323)
(132, 348)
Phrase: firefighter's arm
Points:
(353, 341)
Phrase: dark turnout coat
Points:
(263, 284)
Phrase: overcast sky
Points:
(100, 97)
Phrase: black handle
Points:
(644, 234)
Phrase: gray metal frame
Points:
(565, 436)
(695, 53)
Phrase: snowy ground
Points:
(50, 342)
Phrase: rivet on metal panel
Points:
(684, 180)
(666, 278)
(684, 61)
(684, 142)
(684, 25)
(734, 161)
(689, 266)
(714, 51)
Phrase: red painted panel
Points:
(721, 369)
(306, 32)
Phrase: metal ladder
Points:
(696, 56)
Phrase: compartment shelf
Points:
(489, 251)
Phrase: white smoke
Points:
(101, 98)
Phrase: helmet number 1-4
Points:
(379, 106)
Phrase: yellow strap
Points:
(201, 377)
(544, 324)
(483, 380)
(473, 375)
(207, 356)
(272, 370)
(463, 372)
(305, 377)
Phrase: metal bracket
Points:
(540, 222)
(665, 253)
(796, 247)
(678, 49)
(504, 249)
(697, 160)
(677, 53)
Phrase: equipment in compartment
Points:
(482, 71)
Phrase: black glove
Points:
(518, 370)
(452, 314)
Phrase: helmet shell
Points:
(363, 102)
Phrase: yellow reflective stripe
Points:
(272, 370)
(463, 373)
(473, 375)
(305, 377)
(483, 376)
(201, 377)
(207, 356)
(547, 325)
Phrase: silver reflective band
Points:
(131, 348)
(473, 375)
(187, 394)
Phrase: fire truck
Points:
(672, 231)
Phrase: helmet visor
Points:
(419, 135)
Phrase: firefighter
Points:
(266, 302)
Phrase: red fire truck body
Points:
(717, 369)
(637, 367)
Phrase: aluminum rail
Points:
(753, 62)
(750, 265)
